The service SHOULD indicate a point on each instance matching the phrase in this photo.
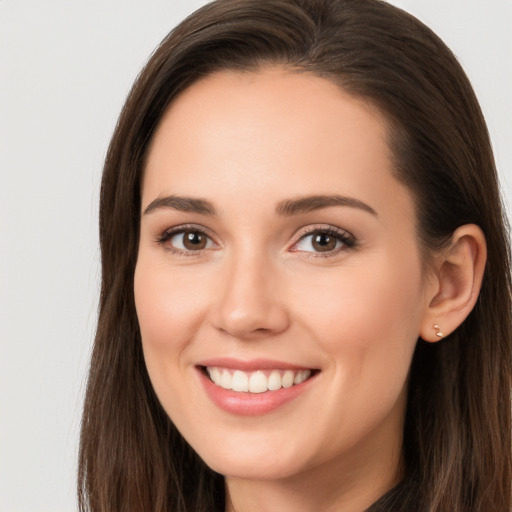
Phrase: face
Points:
(279, 286)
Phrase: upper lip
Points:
(250, 365)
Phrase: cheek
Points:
(168, 313)
(367, 317)
(167, 305)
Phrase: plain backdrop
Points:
(65, 70)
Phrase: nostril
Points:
(252, 321)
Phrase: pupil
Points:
(194, 240)
(324, 242)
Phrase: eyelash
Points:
(347, 240)
(168, 234)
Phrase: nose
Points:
(249, 303)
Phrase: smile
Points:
(259, 381)
(255, 387)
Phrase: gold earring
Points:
(439, 334)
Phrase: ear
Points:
(454, 287)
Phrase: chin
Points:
(254, 458)
(259, 468)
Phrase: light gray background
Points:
(65, 69)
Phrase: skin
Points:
(259, 289)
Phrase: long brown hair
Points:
(457, 438)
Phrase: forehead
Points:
(270, 133)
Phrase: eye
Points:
(328, 241)
(185, 240)
(190, 241)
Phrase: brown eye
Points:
(194, 240)
(182, 241)
(324, 242)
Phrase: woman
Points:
(297, 208)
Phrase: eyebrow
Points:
(181, 204)
(286, 208)
(306, 204)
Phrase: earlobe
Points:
(458, 278)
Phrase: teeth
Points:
(226, 380)
(258, 381)
(240, 382)
(288, 378)
(274, 381)
(301, 376)
(215, 375)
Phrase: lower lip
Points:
(251, 404)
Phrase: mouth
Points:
(254, 387)
(258, 381)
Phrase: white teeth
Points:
(258, 381)
(301, 376)
(240, 382)
(288, 379)
(274, 380)
(215, 375)
(226, 379)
